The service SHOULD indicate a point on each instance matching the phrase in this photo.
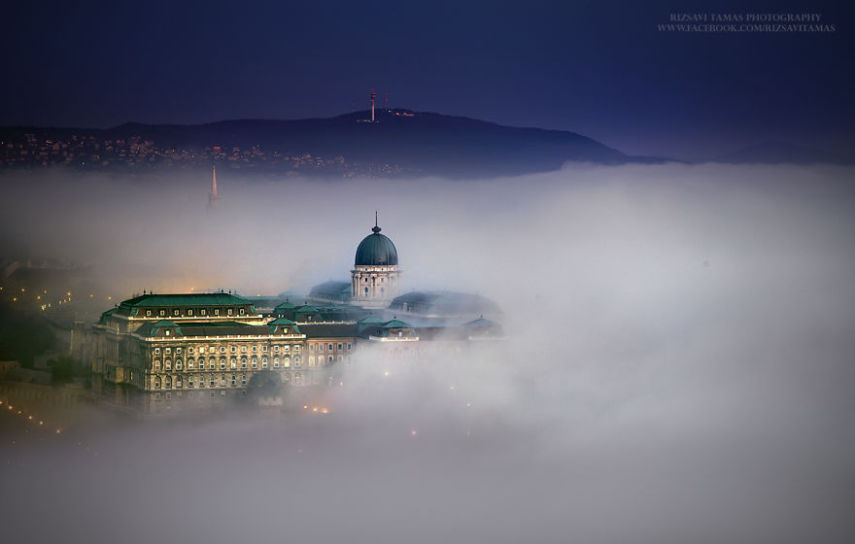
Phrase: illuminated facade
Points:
(218, 341)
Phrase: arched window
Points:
(233, 363)
(157, 383)
(177, 364)
(366, 289)
(201, 363)
(167, 364)
(168, 383)
(222, 362)
(156, 364)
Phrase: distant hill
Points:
(399, 142)
(777, 152)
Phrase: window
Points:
(311, 347)
(177, 364)
(339, 346)
(216, 311)
(157, 383)
(263, 348)
(190, 350)
(156, 364)
(233, 363)
(242, 311)
(330, 359)
(286, 362)
(297, 348)
(190, 364)
(243, 362)
(320, 347)
(263, 364)
(190, 312)
(176, 312)
(275, 362)
(222, 362)
(243, 349)
(167, 332)
(168, 350)
(255, 349)
(162, 313)
(229, 311)
(177, 350)
(201, 363)
(148, 313)
(330, 347)
(222, 349)
(349, 346)
(286, 348)
(157, 350)
(203, 311)
(233, 349)
(276, 348)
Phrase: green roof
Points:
(395, 324)
(186, 299)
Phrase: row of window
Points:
(208, 381)
(234, 349)
(331, 347)
(232, 363)
(190, 312)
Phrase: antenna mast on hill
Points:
(213, 197)
(373, 97)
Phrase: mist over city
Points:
(677, 357)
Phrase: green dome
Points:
(376, 250)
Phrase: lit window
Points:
(243, 349)
(162, 312)
(229, 311)
(176, 312)
(242, 311)
(168, 350)
(203, 311)
(216, 311)
(190, 312)
(148, 313)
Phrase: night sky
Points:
(598, 68)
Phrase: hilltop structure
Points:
(218, 341)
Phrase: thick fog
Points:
(678, 364)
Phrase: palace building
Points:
(218, 341)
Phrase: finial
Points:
(376, 228)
